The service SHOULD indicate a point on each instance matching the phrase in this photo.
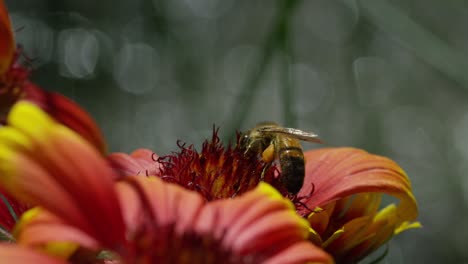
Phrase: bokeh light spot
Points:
(374, 80)
(209, 8)
(312, 91)
(135, 68)
(35, 37)
(79, 53)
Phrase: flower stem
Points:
(276, 36)
(287, 83)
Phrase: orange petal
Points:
(7, 42)
(22, 255)
(336, 173)
(355, 232)
(319, 220)
(362, 204)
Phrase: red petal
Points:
(84, 174)
(140, 162)
(124, 164)
(132, 208)
(273, 231)
(168, 203)
(10, 253)
(35, 185)
(46, 163)
(79, 190)
(335, 173)
(143, 155)
(7, 42)
(270, 233)
(303, 252)
(149, 198)
(248, 209)
(43, 228)
(66, 112)
(157, 214)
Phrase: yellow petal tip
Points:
(29, 118)
(62, 250)
(267, 189)
(407, 225)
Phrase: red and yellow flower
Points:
(340, 185)
(200, 207)
(81, 211)
(340, 198)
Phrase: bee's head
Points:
(245, 140)
(253, 142)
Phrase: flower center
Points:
(166, 246)
(218, 172)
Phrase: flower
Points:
(205, 207)
(83, 214)
(340, 197)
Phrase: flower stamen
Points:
(216, 171)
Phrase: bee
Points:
(274, 142)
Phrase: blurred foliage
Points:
(388, 76)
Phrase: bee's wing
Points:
(292, 132)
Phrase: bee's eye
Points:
(243, 140)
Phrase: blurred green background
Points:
(387, 76)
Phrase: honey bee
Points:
(274, 142)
